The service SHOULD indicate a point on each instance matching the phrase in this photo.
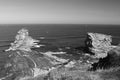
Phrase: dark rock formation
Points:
(112, 60)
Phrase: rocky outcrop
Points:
(108, 54)
(26, 64)
(99, 44)
(23, 41)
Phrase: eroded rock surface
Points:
(99, 44)
(23, 41)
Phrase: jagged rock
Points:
(23, 41)
(99, 44)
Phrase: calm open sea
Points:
(58, 36)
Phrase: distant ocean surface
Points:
(57, 36)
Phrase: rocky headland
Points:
(98, 61)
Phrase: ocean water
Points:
(57, 36)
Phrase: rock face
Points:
(99, 44)
(23, 41)
(112, 60)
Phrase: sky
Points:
(59, 11)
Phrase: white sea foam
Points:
(59, 60)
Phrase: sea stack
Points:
(23, 41)
(99, 44)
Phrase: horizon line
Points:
(54, 24)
